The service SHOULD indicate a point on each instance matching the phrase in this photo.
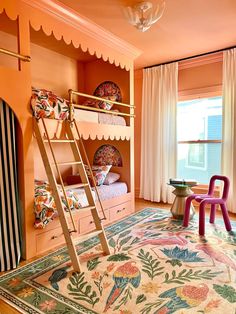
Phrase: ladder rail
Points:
(58, 201)
(90, 169)
(59, 175)
(88, 191)
(52, 168)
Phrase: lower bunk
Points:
(116, 201)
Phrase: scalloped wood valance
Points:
(103, 132)
(54, 18)
(90, 130)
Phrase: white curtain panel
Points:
(229, 124)
(158, 137)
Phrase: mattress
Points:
(113, 190)
(107, 191)
(45, 207)
(98, 117)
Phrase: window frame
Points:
(200, 93)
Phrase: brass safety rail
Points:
(15, 55)
(73, 105)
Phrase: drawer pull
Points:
(91, 222)
(120, 210)
(56, 236)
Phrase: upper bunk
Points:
(63, 59)
(96, 116)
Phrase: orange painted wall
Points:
(53, 71)
(8, 42)
(198, 77)
(138, 82)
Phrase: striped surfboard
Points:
(10, 239)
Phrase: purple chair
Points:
(209, 198)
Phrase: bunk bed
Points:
(115, 197)
(36, 50)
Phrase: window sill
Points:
(203, 189)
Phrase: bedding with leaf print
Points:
(45, 104)
(44, 203)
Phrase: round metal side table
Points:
(182, 191)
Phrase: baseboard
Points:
(137, 192)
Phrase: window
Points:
(199, 135)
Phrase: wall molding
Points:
(84, 25)
(199, 61)
(204, 92)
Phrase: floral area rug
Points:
(156, 267)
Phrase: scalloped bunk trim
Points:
(94, 39)
(105, 137)
(90, 130)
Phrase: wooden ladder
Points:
(43, 138)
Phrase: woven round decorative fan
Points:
(108, 88)
(107, 155)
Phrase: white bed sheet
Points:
(105, 192)
(98, 117)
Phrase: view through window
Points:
(199, 135)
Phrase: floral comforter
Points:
(45, 207)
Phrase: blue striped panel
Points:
(10, 249)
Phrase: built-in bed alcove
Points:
(122, 147)
(49, 53)
(58, 67)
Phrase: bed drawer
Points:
(47, 240)
(50, 239)
(120, 211)
(86, 224)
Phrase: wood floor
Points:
(139, 204)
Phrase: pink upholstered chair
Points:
(209, 198)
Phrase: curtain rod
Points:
(191, 57)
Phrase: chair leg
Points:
(213, 213)
(202, 219)
(187, 212)
(226, 217)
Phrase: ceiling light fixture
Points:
(144, 14)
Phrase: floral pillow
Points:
(45, 104)
(91, 103)
(99, 103)
(107, 105)
(99, 173)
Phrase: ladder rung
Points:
(87, 208)
(75, 186)
(83, 209)
(88, 235)
(59, 141)
(68, 163)
(74, 230)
